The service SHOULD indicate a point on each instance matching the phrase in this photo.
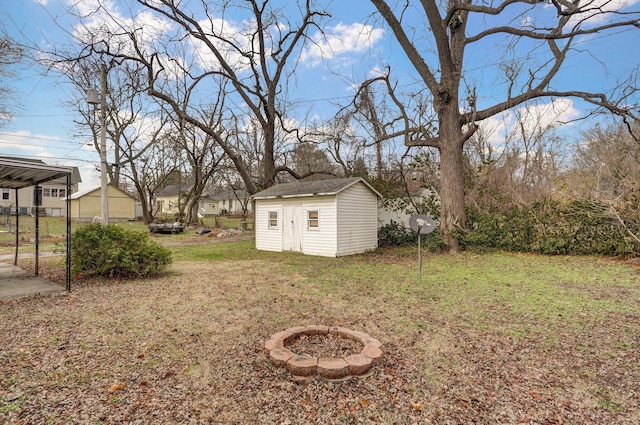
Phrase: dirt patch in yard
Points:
(187, 348)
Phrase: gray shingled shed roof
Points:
(311, 188)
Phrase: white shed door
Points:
(292, 228)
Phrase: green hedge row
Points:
(548, 227)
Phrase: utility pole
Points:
(103, 145)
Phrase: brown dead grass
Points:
(187, 349)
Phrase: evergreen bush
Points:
(111, 251)
(395, 234)
(548, 227)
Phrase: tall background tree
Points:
(605, 176)
(11, 53)
(252, 57)
(537, 42)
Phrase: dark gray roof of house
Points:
(174, 189)
(310, 188)
(75, 177)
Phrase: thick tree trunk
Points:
(452, 215)
(192, 210)
(268, 162)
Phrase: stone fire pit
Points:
(305, 367)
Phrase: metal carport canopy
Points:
(17, 174)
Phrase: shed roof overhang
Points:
(15, 174)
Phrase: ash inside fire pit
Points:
(324, 346)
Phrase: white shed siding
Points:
(321, 241)
(357, 208)
(347, 218)
(268, 239)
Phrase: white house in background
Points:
(231, 201)
(168, 199)
(329, 218)
(400, 210)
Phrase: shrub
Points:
(112, 251)
(548, 227)
(395, 234)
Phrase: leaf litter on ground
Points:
(186, 348)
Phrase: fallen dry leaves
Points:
(187, 349)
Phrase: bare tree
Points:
(151, 164)
(438, 57)
(606, 176)
(344, 145)
(255, 57)
(203, 158)
(366, 107)
(521, 165)
(11, 53)
(127, 109)
(367, 124)
(134, 124)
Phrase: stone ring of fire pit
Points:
(304, 367)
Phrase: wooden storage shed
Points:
(329, 218)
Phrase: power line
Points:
(52, 157)
(39, 115)
(18, 144)
(32, 137)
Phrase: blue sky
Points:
(43, 127)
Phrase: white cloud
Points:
(377, 71)
(24, 143)
(220, 30)
(527, 22)
(104, 23)
(530, 119)
(340, 40)
(598, 11)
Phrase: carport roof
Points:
(16, 174)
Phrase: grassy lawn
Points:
(53, 230)
(491, 338)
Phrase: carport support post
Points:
(37, 202)
(15, 260)
(68, 233)
(419, 256)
